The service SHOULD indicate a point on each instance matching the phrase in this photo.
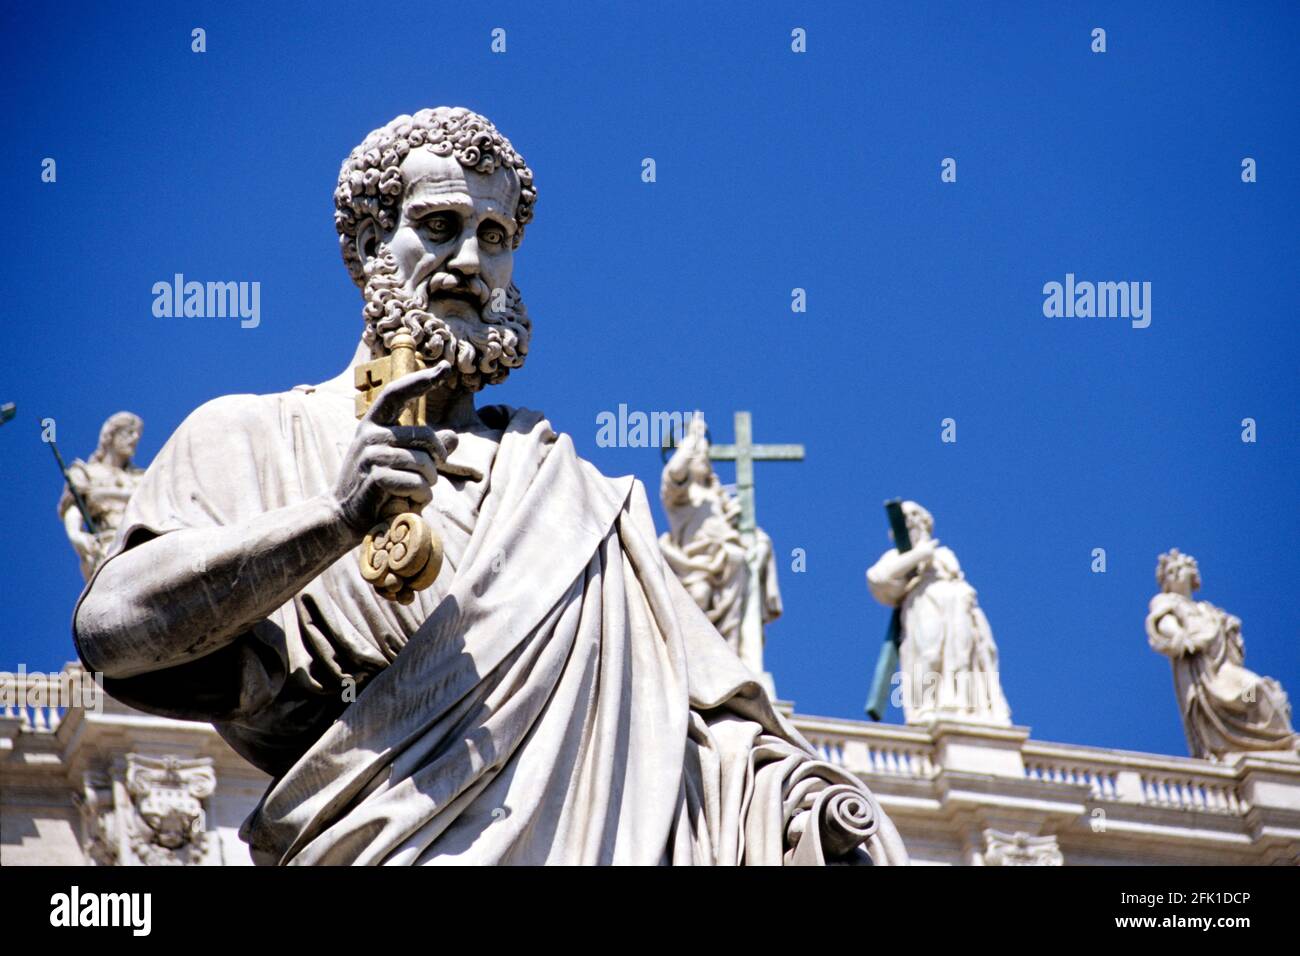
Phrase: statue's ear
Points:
(368, 238)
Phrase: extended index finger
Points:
(388, 406)
(424, 437)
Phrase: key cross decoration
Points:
(401, 554)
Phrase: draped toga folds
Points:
(1226, 707)
(948, 659)
(555, 697)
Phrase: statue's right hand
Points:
(387, 461)
(920, 553)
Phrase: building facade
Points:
(108, 785)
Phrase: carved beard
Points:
(481, 351)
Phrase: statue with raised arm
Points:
(1226, 709)
(104, 484)
(948, 663)
(703, 545)
(545, 691)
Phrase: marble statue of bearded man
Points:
(1226, 708)
(554, 697)
(947, 660)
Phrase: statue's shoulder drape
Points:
(275, 689)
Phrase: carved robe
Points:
(555, 697)
(106, 491)
(703, 548)
(1225, 707)
(948, 661)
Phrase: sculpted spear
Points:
(76, 495)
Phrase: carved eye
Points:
(441, 225)
(492, 234)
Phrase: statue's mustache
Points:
(453, 285)
(483, 347)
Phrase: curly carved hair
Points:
(1170, 562)
(370, 181)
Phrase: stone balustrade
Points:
(956, 790)
(959, 793)
(1179, 782)
(37, 701)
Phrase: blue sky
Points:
(775, 170)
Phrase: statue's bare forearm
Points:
(72, 527)
(678, 467)
(897, 566)
(187, 593)
(691, 446)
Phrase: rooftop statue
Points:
(705, 549)
(1225, 708)
(102, 486)
(948, 663)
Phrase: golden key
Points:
(401, 554)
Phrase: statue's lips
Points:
(469, 297)
(465, 296)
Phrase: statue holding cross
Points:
(714, 544)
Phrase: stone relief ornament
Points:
(948, 663)
(152, 814)
(168, 795)
(98, 819)
(1226, 708)
(104, 483)
(1020, 849)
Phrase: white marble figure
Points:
(105, 484)
(1226, 709)
(948, 663)
(555, 696)
(703, 545)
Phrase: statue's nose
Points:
(466, 259)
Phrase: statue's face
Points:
(916, 519)
(1182, 579)
(916, 530)
(125, 441)
(453, 240)
(443, 271)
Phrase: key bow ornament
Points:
(401, 554)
